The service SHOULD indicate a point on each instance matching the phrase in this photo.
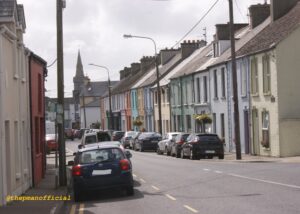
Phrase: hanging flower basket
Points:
(203, 118)
(137, 122)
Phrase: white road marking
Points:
(142, 180)
(265, 181)
(81, 208)
(219, 172)
(156, 188)
(206, 169)
(170, 197)
(134, 175)
(191, 209)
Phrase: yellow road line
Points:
(73, 209)
(81, 208)
(156, 188)
(170, 197)
(191, 209)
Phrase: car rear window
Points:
(100, 155)
(90, 139)
(151, 135)
(213, 138)
(103, 136)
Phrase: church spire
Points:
(79, 67)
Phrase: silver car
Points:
(164, 146)
(125, 140)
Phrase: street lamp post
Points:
(111, 123)
(157, 77)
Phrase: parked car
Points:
(125, 140)
(101, 167)
(51, 143)
(177, 143)
(82, 132)
(133, 140)
(147, 141)
(164, 146)
(69, 134)
(202, 145)
(94, 137)
(117, 135)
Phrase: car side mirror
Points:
(80, 146)
(71, 163)
(128, 154)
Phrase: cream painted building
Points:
(274, 83)
(15, 139)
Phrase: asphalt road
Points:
(170, 185)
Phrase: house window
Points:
(222, 122)
(265, 129)
(243, 80)
(40, 98)
(167, 95)
(174, 123)
(266, 75)
(254, 76)
(186, 93)
(178, 123)
(198, 90)
(215, 122)
(156, 97)
(37, 135)
(223, 82)
(215, 84)
(205, 88)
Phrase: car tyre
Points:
(77, 195)
(192, 156)
(177, 155)
(130, 191)
(221, 156)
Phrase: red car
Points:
(51, 143)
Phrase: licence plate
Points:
(209, 152)
(101, 172)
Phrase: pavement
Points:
(47, 187)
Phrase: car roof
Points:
(98, 146)
(90, 134)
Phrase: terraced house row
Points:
(196, 79)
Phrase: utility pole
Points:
(60, 94)
(235, 90)
(83, 103)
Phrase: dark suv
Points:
(117, 135)
(202, 145)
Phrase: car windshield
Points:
(103, 136)
(90, 139)
(100, 155)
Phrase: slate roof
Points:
(96, 89)
(192, 66)
(273, 33)
(163, 70)
(127, 83)
(95, 103)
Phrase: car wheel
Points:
(221, 156)
(177, 155)
(158, 150)
(192, 155)
(77, 195)
(210, 157)
(182, 154)
(130, 191)
(168, 152)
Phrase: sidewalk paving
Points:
(45, 188)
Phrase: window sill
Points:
(23, 80)
(216, 98)
(255, 95)
(267, 94)
(223, 98)
(16, 76)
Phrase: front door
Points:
(246, 128)
(255, 132)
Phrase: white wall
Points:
(92, 116)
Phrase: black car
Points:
(117, 135)
(177, 143)
(202, 145)
(101, 167)
(147, 141)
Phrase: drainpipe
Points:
(2, 159)
(181, 104)
(193, 101)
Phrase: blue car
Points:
(101, 167)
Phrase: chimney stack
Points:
(258, 14)
(147, 62)
(280, 7)
(223, 30)
(135, 68)
(127, 72)
(167, 54)
(188, 47)
(122, 76)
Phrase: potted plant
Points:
(203, 119)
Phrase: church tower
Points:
(78, 81)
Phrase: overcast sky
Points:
(96, 27)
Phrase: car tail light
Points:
(124, 165)
(76, 170)
(181, 142)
